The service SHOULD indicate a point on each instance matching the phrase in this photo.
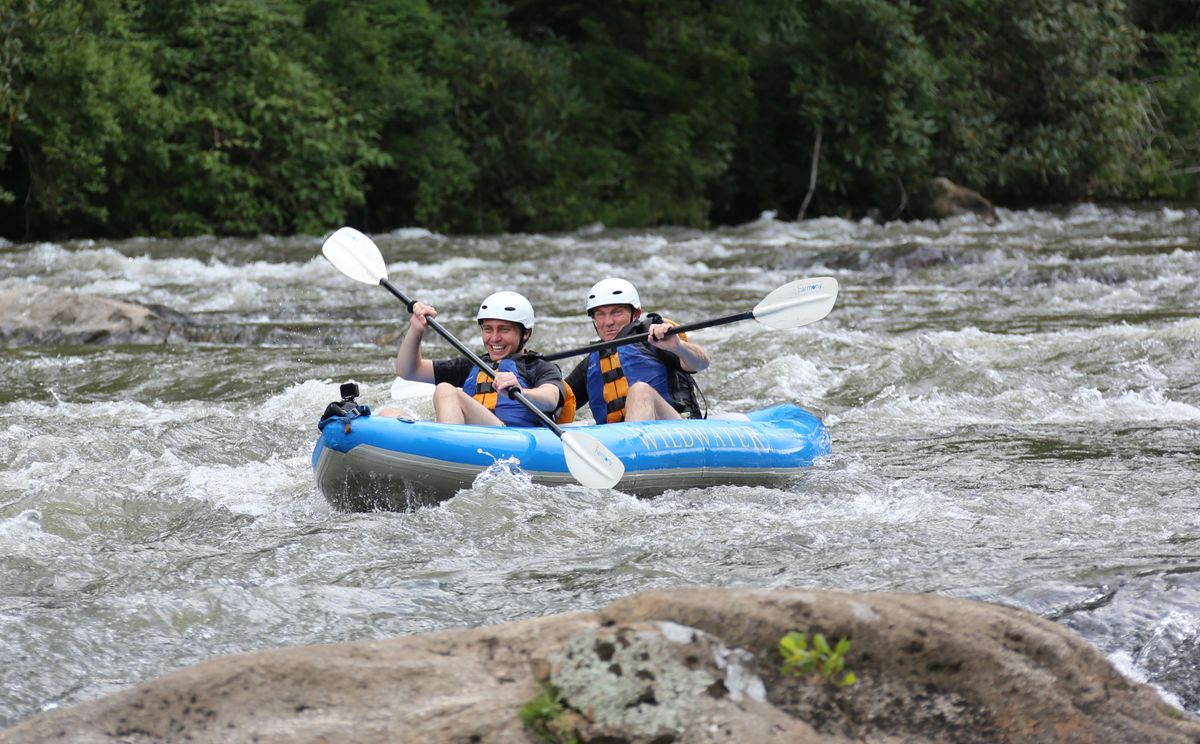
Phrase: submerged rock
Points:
(942, 198)
(42, 316)
(45, 316)
(693, 665)
(905, 256)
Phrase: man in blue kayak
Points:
(467, 395)
(641, 381)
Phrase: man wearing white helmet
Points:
(636, 381)
(467, 395)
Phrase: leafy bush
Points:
(247, 117)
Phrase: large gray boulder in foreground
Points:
(691, 665)
(43, 316)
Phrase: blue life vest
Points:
(510, 411)
(606, 390)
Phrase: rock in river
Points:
(681, 666)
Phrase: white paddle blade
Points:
(591, 463)
(403, 389)
(355, 255)
(797, 303)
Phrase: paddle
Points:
(794, 304)
(357, 256)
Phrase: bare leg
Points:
(643, 403)
(452, 406)
(403, 413)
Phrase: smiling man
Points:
(466, 394)
(636, 381)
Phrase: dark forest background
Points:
(245, 117)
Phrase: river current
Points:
(1014, 410)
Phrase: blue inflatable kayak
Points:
(367, 463)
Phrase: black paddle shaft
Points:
(602, 346)
(465, 351)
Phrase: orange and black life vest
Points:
(609, 375)
(616, 387)
(481, 389)
(484, 392)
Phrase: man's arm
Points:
(692, 356)
(409, 363)
(545, 390)
(578, 382)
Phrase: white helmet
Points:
(613, 292)
(507, 306)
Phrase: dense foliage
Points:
(126, 117)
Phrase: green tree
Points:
(80, 115)
(660, 89)
(1037, 105)
(1169, 68)
(847, 83)
(511, 104)
(276, 116)
(258, 142)
(383, 60)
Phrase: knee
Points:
(639, 390)
(445, 391)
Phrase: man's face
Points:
(610, 319)
(500, 337)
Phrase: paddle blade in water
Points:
(592, 464)
(355, 255)
(797, 303)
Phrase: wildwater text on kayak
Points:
(683, 437)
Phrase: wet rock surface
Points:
(44, 316)
(942, 198)
(47, 316)
(691, 665)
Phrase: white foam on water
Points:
(254, 488)
(243, 294)
(1089, 404)
(505, 473)
(1125, 664)
(112, 287)
(1028, 406)
(22, 536)
(795, 377)
(414, 233)
(72, 415)
(185, 284)
(298, 405)
(661, 272)
(1177, 215)
(1174, 630)
(448, 268)
(595, 228)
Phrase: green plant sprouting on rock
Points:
(544, 716)
(819, 660)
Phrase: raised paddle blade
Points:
(797, 303)
(355, 255)
(591, 463)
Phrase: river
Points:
(1015, 416)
